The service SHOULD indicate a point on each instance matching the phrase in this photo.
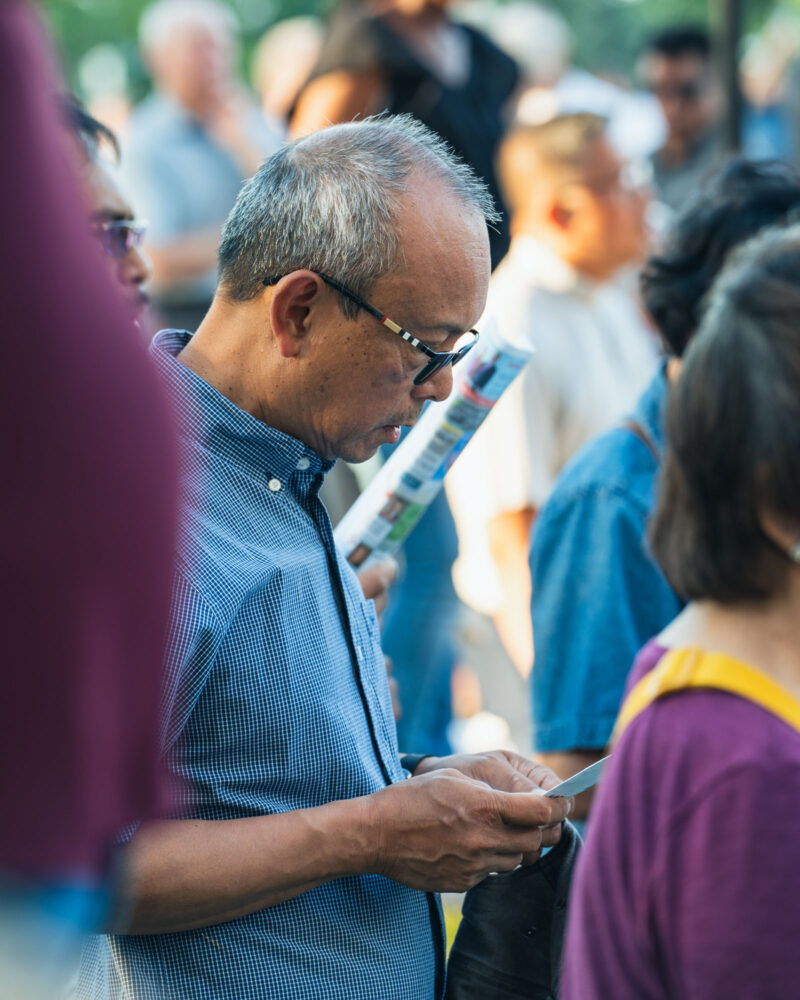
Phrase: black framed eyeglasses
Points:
(119, 236)
(436, 359)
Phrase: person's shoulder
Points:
(615, 467)
(696, 737)
(152, 112)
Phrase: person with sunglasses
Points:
(676, 67)
(307, 852)
(112, 219)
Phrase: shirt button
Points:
(304, 463)
(360, 652)
(274, 485)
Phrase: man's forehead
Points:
(687, 64)
(104, 197)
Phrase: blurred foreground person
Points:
(410, 57)
(699, 898)
(303, 860)
(598, 594)
(677, 68)
(86, 540)
(190, 145)
(576, 223)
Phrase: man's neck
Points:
(593, 271)
(232, 353)
(678, 149)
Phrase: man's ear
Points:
(289, 310)
(565, 205)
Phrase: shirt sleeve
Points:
(597, 597)
(724, 894)
(192, 646)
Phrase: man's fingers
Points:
(530, 808)
(375, 581)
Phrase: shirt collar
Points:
(649, 410)
(540, 266)
(207, 416)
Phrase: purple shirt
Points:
(690, 880)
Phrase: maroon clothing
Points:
(86, 532)
(689, 883)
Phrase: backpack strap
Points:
(641, 432)
(680, 669)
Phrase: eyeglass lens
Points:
(119, 238)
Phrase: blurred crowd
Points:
(593, 174)
(633, 490)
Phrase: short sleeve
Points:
(597, 597)
(192, 645)
(724, 893)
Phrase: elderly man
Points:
(302, 863)
(190, 146)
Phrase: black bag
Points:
(509, 942)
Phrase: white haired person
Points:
(191, 143)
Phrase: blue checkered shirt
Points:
(276, 698)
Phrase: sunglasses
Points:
(119, 236)
(436, 359)
(687, 92)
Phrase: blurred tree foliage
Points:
(608, 33)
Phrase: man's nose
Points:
(438, 386)
(135, 267)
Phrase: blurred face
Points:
(130, 265)
(606, 228)
(685, 90)
(362, 390)
(195, 66)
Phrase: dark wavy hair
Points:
(733, 426)
(91, 133)
(738, 201)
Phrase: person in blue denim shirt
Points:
(598, 594)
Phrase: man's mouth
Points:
(139, 301)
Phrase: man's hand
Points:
(375, 583)
(444, 831)
(508, 772)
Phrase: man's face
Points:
(362, 392)
(107, 204)
(196, 66)
(608, 229)
(685, 89)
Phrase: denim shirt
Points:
(276, 698)
(598, 594)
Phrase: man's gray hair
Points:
(330, 201)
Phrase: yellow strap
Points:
(695, 668)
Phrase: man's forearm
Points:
(441, 831)
(184, 874)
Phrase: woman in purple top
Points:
(690, 881)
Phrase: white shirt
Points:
(593, 357)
